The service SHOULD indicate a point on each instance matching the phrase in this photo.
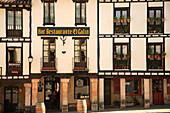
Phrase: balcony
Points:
(49, 65)
(14, 69)
(14, 33)
(80, 66)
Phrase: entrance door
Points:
(157, 92)
(10, 99)
(107, 91)
(52, 93)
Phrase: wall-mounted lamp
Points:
(63, 39)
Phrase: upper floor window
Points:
(14, 60)
(49, 13)
(121, 56)
(80, 13)
(155, 56)
(121, 20)
(155, 20)
(14, 22)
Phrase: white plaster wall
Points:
(106, 54)
(121, 4)
(25, 58)
(155, 4)
(138, 15)
(65, 17)
(138, 54)
(3, 58)
(14, 44)
(155, 40)
(121, 40)
(26, 18)
(2, 23)
(167, 58)
(106, 18)
(167, 17)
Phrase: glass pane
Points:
(83, 42)
(10, 19)
(83, 13)
(77, 53)
(151, 13)
(15, 98)
(124, 13)
(158, 49)
(52, 12)
(124, 49)
(46, 13)
(158, 15)
(45, 53)
(118, 49)
(77, 47)
(83, 54)
(46, 48)
(83, 47)
(151, 50)
(8, 98)
(118, 17)
(77, 59)
(18, 20)
(45, 59)
(46, 42)
(77, 12)
(77, 42)
(132, 86)
(17, 57)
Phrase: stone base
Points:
(147, 106)
(101, 105)
(64, 108)
(122, 106)
(94, 106)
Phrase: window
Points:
(14, 23)
(121, 56)
(155, 20)
(81, 88)
(168, 86)
(48, 13)
(49, 54)
(80, 54)
(155, 58)
(14, 61)
(133, 87)
(80, 13)
(121, 20)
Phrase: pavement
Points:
(135, 109)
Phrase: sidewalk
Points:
(136, 109)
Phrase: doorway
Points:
(52, 93)
(157, 91)
(10, 99)
(107, 91)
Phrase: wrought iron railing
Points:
(14, 33)
(155, 61)
(80, 66)
(48, 64)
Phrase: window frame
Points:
(49, 23)
(14, 30)
(122, 26)
(162, 16)
(140, 87)
(76, 78)
(80, 13)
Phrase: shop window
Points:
(80, 13)
(155, 20)
(14, 23)
(155, 56)
(133, 87)
(49, 60)
(121, 20)
(121, 56)
(14, 61)
(80, 54)
(49, 13)
(81, 88)
(116, 86)
(168, 86)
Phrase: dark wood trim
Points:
(80, 37)
(49, 37)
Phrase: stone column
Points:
(165, 91)
(122, 94)
(94, 103)
(101, 94)
(27, 94)
(34, 90)
(146, 93)
(64, 82)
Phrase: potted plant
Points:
(117, 30)
(149, 28)
(162, 19)
(115, 19)
(128, 19)
(149, 19)
(127, 29)
(158, 19)
(163, 54)
(159, 29)
(122, 66)
(150, 52)
(122, 19)
(152, 19)
(115, 54)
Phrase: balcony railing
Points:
(14, 69)
(121, 62)
(14, 33)
(155, 62)
(80, 66)
(48, 66)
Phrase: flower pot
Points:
(149, 56)
(114, 20)
(128, 20)
(155, 56)
(162, 56)
(149, 20)
(161, 67)
(127, 67)
(162, 19)
(124, 56)
(114, 56)
(121, 21)
(152, 56)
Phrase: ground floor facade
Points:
(62, 93)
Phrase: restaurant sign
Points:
(63, 31)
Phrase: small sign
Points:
(79, 82)
(40, 87)
(63, 31)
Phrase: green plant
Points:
(126, 29)
(128, 17)
(149, 19)
(158, 19)
(150, 51)
(150, 28)
(122, 17)
(163, 54)
(116, 103)
(159, 29)
(115, 18)
(135, 100)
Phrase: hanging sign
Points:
(63, 31)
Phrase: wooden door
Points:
(157, 91)
(107, 91)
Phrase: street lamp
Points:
(30, 59)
